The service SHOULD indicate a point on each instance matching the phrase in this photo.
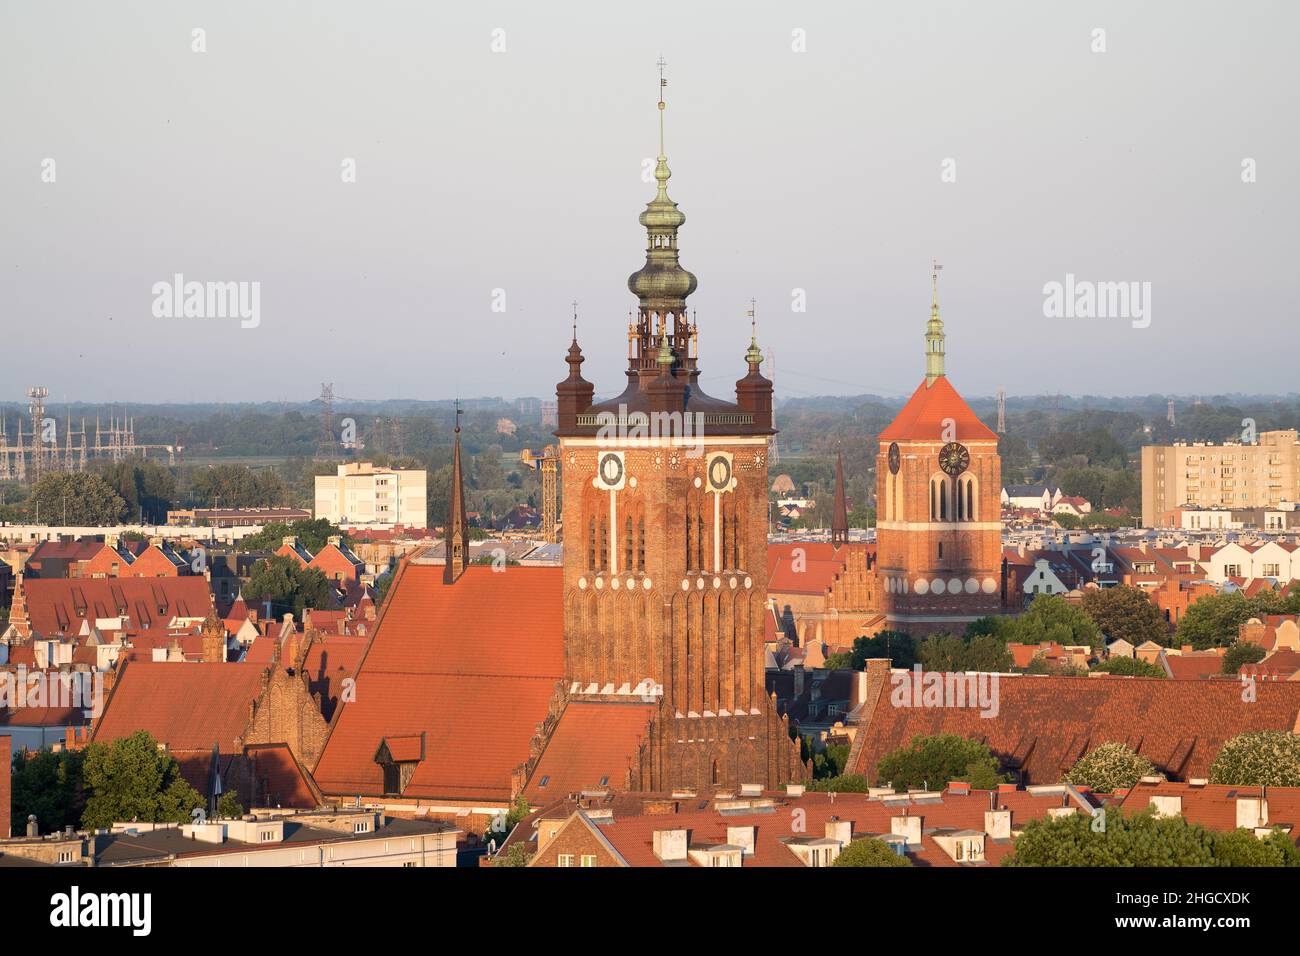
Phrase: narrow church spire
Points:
(457, 530)
(934, 332)
(840, 517)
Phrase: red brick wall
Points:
(909, 539)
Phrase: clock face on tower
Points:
(954, 458)
(895, 458)
(609, 471)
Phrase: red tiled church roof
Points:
(594, 741)
(925, 414)
(472, 665)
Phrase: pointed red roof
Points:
(925, 414)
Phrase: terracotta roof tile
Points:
(1042, 721)
(926, 412)
(472, 665)
(591, 748)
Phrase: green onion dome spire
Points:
(662, 285)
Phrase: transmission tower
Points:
(1002, 411)
(36, 396)
(325, 447)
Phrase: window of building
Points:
(589, 859)
(564, 859)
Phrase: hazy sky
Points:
(522, 171)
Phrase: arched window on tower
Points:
(958, 500)
(934, 500)
(604, 544)
(591, 546)
(627, 546)
(640, 546)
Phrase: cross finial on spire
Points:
(575, 320)
(458, 414)
(661, 63)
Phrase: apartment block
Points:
(1231, 475)
(365, 494)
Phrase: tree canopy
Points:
(1262, 758)
(870, 852)
(1109, 767)
(131, 779)
(76, 499)
(1126, 613)
(1144, 840)
(289, 586)
(935, 761)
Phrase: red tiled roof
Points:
(926, 414)
(59, 606)
(473, 665)
(631, 833)
(1280, 665)
(281, 778)
(1193, 666)
(1044, 724)
(188, 706)
(594, 741)
(1214, 806)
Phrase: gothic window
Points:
(715, 773)
(970, 500)
(591, 546)
(640, 546)
(699, 541)
(627, 547)
(943, 500)
(604, 544)
(959, 501)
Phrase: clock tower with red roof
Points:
(938, 490)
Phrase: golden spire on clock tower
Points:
(934, 332)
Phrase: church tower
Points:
(938, 494)
(665, 539)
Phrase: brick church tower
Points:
(665, 541)
(938, 498)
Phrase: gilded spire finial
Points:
(662, 84)
(934, 337)
(754, 355)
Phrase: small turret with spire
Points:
(457, 530)
(840, 516)
(754, 391)
(934, 332)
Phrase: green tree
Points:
(147, 488)
(1052, 618)
(131, 779)
(47, 785)
(229, 807)
(845, 783)
(1215, 620)
(517, 855)
(947, 652)
(1262, 758)
(937, 760)
(312, 534)
(1126, 613)
(1108, 768)
(870, 852)
(237, 486)
(76, 499)
(1128, 667)
(1242, 652)
(830, 761)
(289, 586)
(1141, 840)
(895, 645)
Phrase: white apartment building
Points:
(1232, 475)
(364, 494)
